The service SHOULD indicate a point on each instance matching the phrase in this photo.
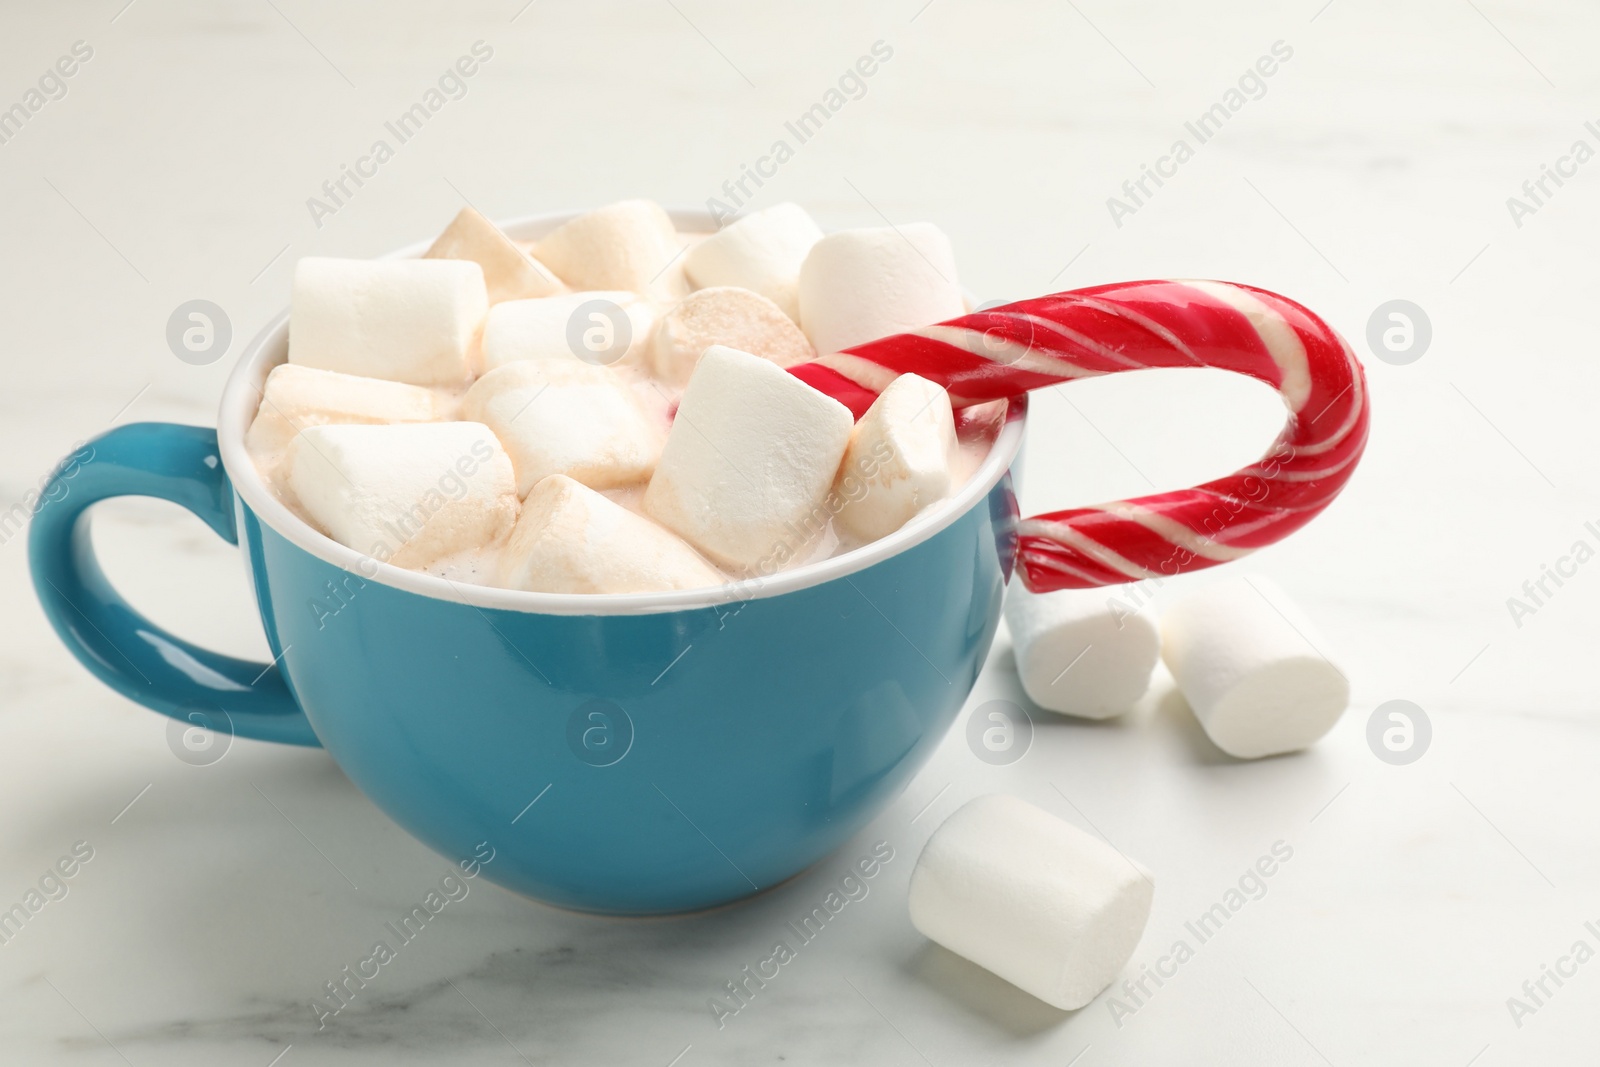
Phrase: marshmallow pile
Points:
(1247, 660)
(606, 409)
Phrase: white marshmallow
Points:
(601, 328)
(762, 251)
(1034, 899)
(407, 494)
(859, 285)
(626, 245)
(1250, 665)
(1078, 652)
(674, 283)
(508, 271)
(724, 315)
(566, 417)
(901, 451)
(296, 397)
(748, 462)
(571, 539)
(408, 320)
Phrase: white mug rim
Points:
(241, 396)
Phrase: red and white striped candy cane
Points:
(1105, 329)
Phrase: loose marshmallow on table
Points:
(508, 271)
(626, 245)
(859, 285)
(1249, 664)
(566, 417)
(296, 397)
(599, 327)
(749, 461)
(1078, 652)
(571, 539)
(899, 458)
(405, 494)
(408, 320)
(1034, 899)
(724, 315)
(762, 251)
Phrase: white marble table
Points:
(1376, 165)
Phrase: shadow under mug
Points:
(638, 754)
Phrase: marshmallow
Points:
(601, 328)
(406, 495)
(571, 539)
(748, 462)
(902, 451)
(409, 320)
(725, 315)
(296, 397)
(1078, 652)
(626, 245)
(566, 417)
(762, 251)
(859, 285)
(1040, 903)
(1248, 663)
(674, 283)
(508, 271)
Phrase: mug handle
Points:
(121, 647)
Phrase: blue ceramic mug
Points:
(628, 754)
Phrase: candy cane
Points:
(1106, 329)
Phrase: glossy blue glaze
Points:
(629, 764)
(124, 649)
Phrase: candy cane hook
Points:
(1106, 329)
